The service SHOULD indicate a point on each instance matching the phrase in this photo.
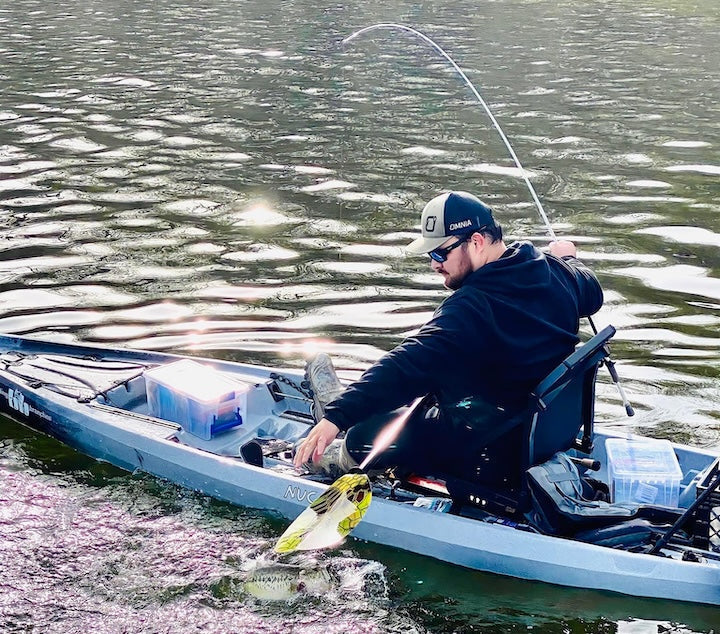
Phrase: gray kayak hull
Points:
(136, 441)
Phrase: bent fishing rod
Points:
(609, 363)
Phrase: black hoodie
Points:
(509, 324)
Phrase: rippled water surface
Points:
(225, 179)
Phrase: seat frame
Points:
(563, 403)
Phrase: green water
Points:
(225, 179)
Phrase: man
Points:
(513, 316)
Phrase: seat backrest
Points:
(564, 403)
(560, 406)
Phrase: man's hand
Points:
(560, 248)
(316, 442)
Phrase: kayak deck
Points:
(278, 407)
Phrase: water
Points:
(226, 180)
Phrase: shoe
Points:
(326, 386)
(336, 461)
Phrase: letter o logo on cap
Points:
(430, 222)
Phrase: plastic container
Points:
(643, 471)
(203, 401)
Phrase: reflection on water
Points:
(211, 178)
(132, 554)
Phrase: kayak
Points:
(227, 429)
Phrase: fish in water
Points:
(280, 582)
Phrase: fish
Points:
(282, 582)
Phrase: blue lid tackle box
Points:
(202, 400)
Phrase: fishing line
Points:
(389, 25)
(470, 85)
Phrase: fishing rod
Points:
(609, 363)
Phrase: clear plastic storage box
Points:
(643, 471)
(202, 400)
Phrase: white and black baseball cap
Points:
(451, 214)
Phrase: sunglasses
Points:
(441, 253)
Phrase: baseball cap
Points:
(451, 214)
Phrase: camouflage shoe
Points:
(336, 461)
(326, 386)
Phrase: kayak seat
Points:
(559, 417)
(562, 406)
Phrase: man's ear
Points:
(478, 239)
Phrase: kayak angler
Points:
(513, 317)
(462, 217)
